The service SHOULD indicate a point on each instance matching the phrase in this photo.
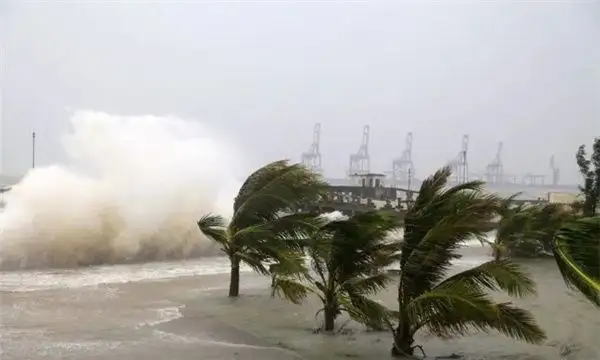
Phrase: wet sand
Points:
(191, 318)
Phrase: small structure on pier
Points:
(369, 191)
(366, 191)
(370, 180)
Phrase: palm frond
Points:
(577, 253)
(252, 235)
(434, 236)
(450, 310)
(507, 203)
(431, 187)
(358, 245)
(435, 202)
(496, 275)
(376, 224)
(294, 230)
(367, 311)
(458, 308)
(547, 219)
(367, 285)
(292, 290)
(214, 227)
(290, 264)
(275, 188)
(517, 323)
(513, 224)
(387, 254)
(254, 260)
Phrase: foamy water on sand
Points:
(43, 311)
(178, 310)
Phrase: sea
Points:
(179, 310)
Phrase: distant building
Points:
(368, 180)
(563, 198)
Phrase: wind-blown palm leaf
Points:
(547, 219)
(214, 227)
(577, 253)
(359, 242)
(367, 285)
(528, 230)
(508, 204)
(514, 223)
(274, 189)
(457, 308)
(367, 311)
(293, 290)
(496, 275)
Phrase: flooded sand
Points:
(184, 315)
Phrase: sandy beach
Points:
(190, 317)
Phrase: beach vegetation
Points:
(577, 253)
(590, 171)
(440, 220)
(266, 224)
(347, 261)
(528, 230)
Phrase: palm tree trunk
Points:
(273, 284)
(234, 279)
(497, 253)
(329, 313)
(403, 341)
(403, 337)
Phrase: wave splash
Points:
(132, 191)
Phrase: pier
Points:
(365, 192)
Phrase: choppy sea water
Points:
(128, 312)
(25, 281)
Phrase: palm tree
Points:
(590, 170)
(348, 259)
(547, 220)
(527, 230)
(514, 222)
(577, 253)
(441, 219)
(265, 224)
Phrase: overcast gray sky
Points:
(526, 73)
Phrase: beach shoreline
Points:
(191, 317)
(273, 322)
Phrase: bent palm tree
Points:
(265, 224)
(513, 224)
(528, 230)
(577, 253)
(547, 220)
(348, 260)
(435, 226)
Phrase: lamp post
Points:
(409, 195)
(33, 150)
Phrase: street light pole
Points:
(33, 150)
(409, 195)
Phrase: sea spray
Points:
(132, 190)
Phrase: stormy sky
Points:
(523, 72)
